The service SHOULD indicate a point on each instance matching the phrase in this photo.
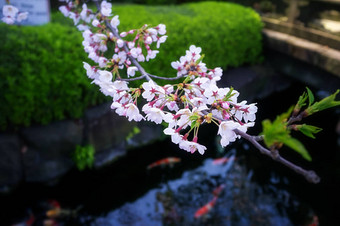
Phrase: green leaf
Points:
(298, 147)
(310, 96)
(308, 130)
(199, 59)
(323, 104)
(229, 94)
(301, 102)
(276, 132)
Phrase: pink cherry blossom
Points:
(191, 147)
(115, 21)
(194, 52)
(151, 54)
(150, 90)
(9, 11)
(132, 113)
(155, 115)
(64, 10)
(161, 40)
(176, 138)
(161, 29)
(137, 53)
(22, 16)
(105, 76)
(8, 20)
(131, 71)
(89, 70)
(105, 8)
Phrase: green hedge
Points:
(229, 34)
(42, 77)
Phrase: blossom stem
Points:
(165, 78)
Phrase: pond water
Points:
(254, 190)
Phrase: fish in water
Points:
(170, 161)
(50, 222)
(30, 220)
(218, 190)
(220, 161)
(57, 212)
(315, 221)
(206, 208)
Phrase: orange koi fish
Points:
(217, 191)
(220, 161)
(206, 208)
(54, 213)
(50, 222)
(163, 162)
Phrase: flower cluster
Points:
(98, 36)
(184, 107)
(11, 14)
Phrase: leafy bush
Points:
(42, 78)
(229, 34)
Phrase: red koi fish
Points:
(30, 220)
(163, 162)
(206, 208)
(220, 161)
(315, 221)
(54, 203)
(217, 191)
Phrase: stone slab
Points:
(11, 170)
(105, 129)
(49, 149)
(310, 52)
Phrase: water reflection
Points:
(239, 202)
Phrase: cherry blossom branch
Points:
(310, 175)
(195, 101)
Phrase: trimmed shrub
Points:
(42, 78)
(229, 34)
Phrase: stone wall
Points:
(44, 153)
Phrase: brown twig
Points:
(297, 118)
(310, 175)
(131, 79)
(165, 78)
